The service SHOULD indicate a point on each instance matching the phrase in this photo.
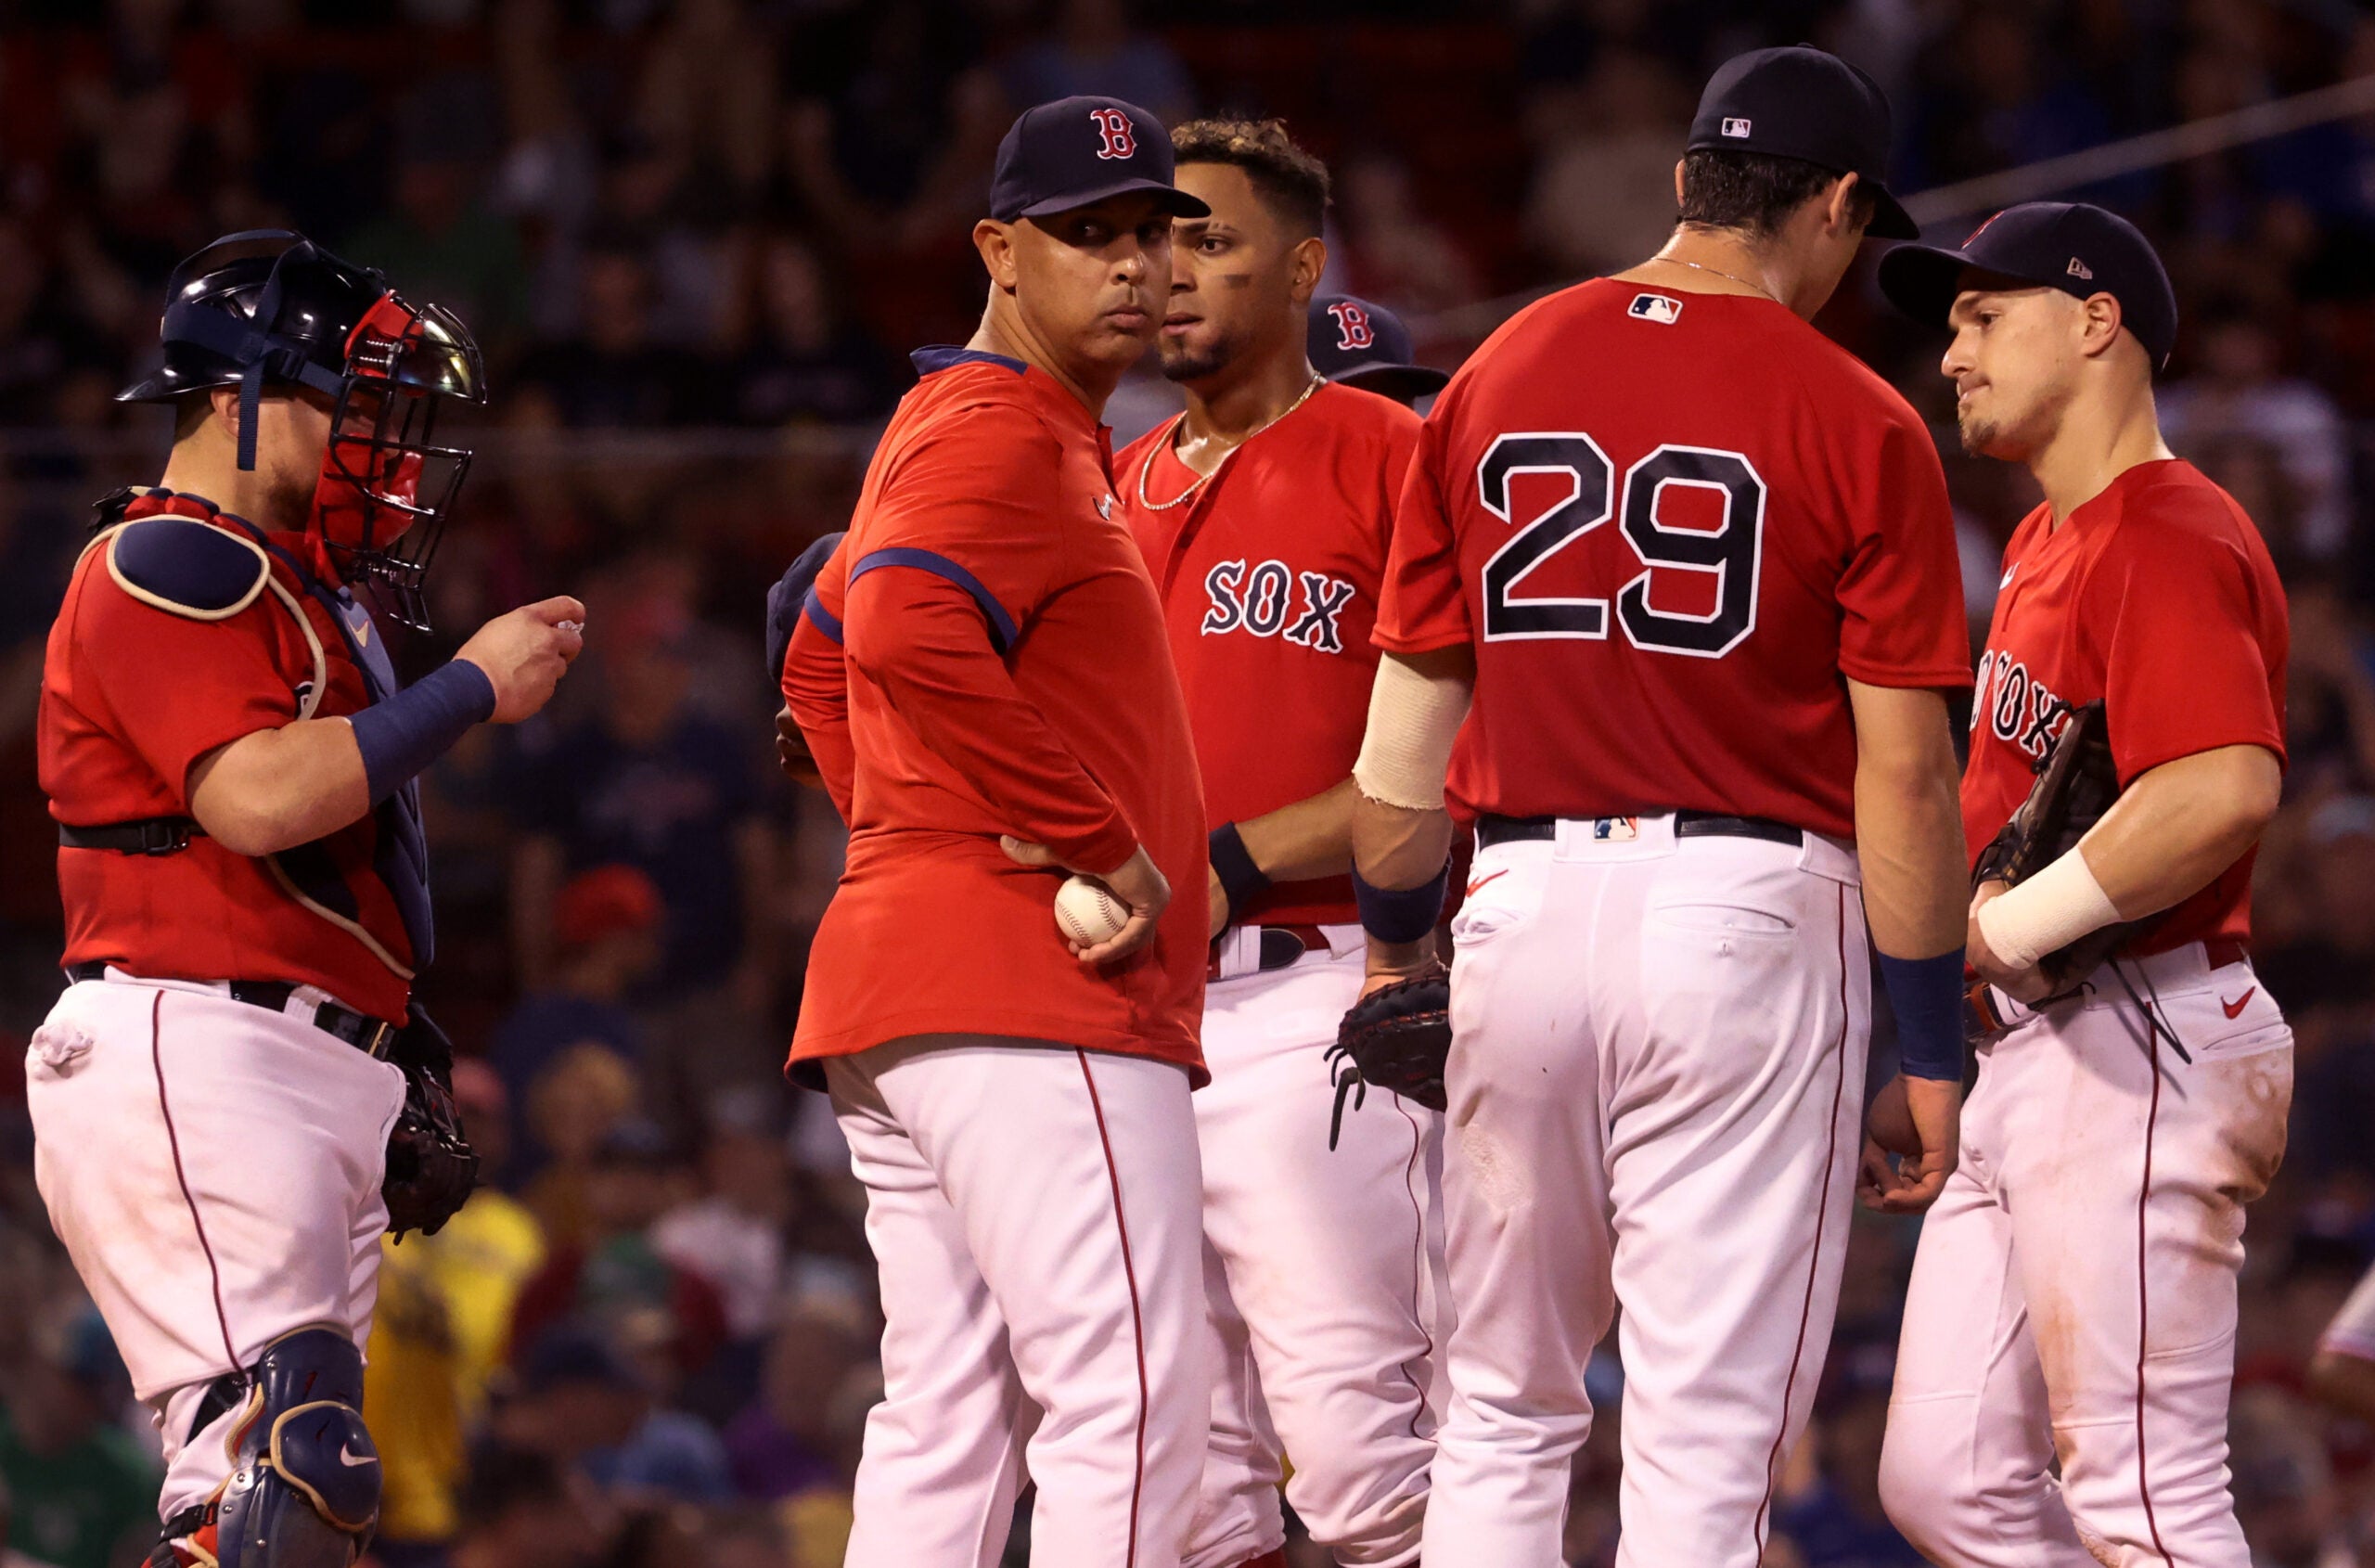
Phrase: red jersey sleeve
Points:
(1901, 597)
(179, 687)
(816, 689)
(919, 635)
(2184, 670)
(1422, 605)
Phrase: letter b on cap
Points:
(1120, 138)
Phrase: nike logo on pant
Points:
(2235, 1006)
(1491, 875)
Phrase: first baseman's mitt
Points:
(2077, 781)
(431, 1168)
(1397, 1037)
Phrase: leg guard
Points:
(305, 1492)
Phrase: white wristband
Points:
(2046, 913)
(1413, 722)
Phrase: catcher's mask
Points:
(268, 307)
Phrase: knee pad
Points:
(304, 1492)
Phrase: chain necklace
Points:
(1719, 272)
(1190, 493)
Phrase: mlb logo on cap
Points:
(1735, 126)
(1659, 308)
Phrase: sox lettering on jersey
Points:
(1257, 602)
(1353, 330)
(2020, 709)
(1120, 138)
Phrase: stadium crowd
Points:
(697, 238)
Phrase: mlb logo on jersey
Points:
(1735, 125)
(1665, 309)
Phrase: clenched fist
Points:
(525, 653)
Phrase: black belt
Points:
(1280, 947)
(1491, 830)
(149, 835)
(370, 1036)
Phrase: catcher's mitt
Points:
(2077, 781)
(431, 1168)
(1397, 1038)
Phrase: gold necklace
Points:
(1188, 495)
(1719, 272)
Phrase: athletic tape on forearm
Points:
(405, 734)
(1233, 864)
(1927, 996)
(2046, 913)
(1401, 914)
(1406, 749)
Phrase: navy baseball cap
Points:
(2079, 249)
(1799, 102)
(1366, 346)
(1079, 150)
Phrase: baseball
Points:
(1087, 913)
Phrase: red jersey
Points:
(1006, 673)
(1269, 577)
(1776, 518)
(150, 668)
(2158, 599)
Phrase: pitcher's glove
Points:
(1397, 1037)
(2077, 781)
(431, 1168)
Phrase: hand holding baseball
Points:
(1136, 885)
(525, 654)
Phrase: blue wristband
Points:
(1400, 915)
(1241, 881)
(405, 734)
(1927, 996)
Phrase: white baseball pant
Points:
(1034, 1210)
(2073, 1295)
(213, 1170)
(1656, 1082)
(1323, 1271)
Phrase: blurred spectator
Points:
(582, 1402)
(43, 333)
(612, 372)
(1602, 197)
(1095, 50)
(895, 154)
(733, 1234)
(573, 1106)
(1401, 257)
(612, 1279)
(605, 930)
(441, 1330)
(524, 1509)
(651, 782)
(2239, 390)
(2284, 1485)
(87, 1495)
(806, 359)
(796, 1436)
(438, 241)
(9, 1556)
(708, 92)
(1830, 1508)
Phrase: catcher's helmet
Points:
(268, 307)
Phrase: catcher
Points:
(2074, 1296)
(236, 1095)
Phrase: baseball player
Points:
(232, 767)
(1687, 572)
(1018, 1106)
(1264, 512)
(2074, 1295)
(1355, 343)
